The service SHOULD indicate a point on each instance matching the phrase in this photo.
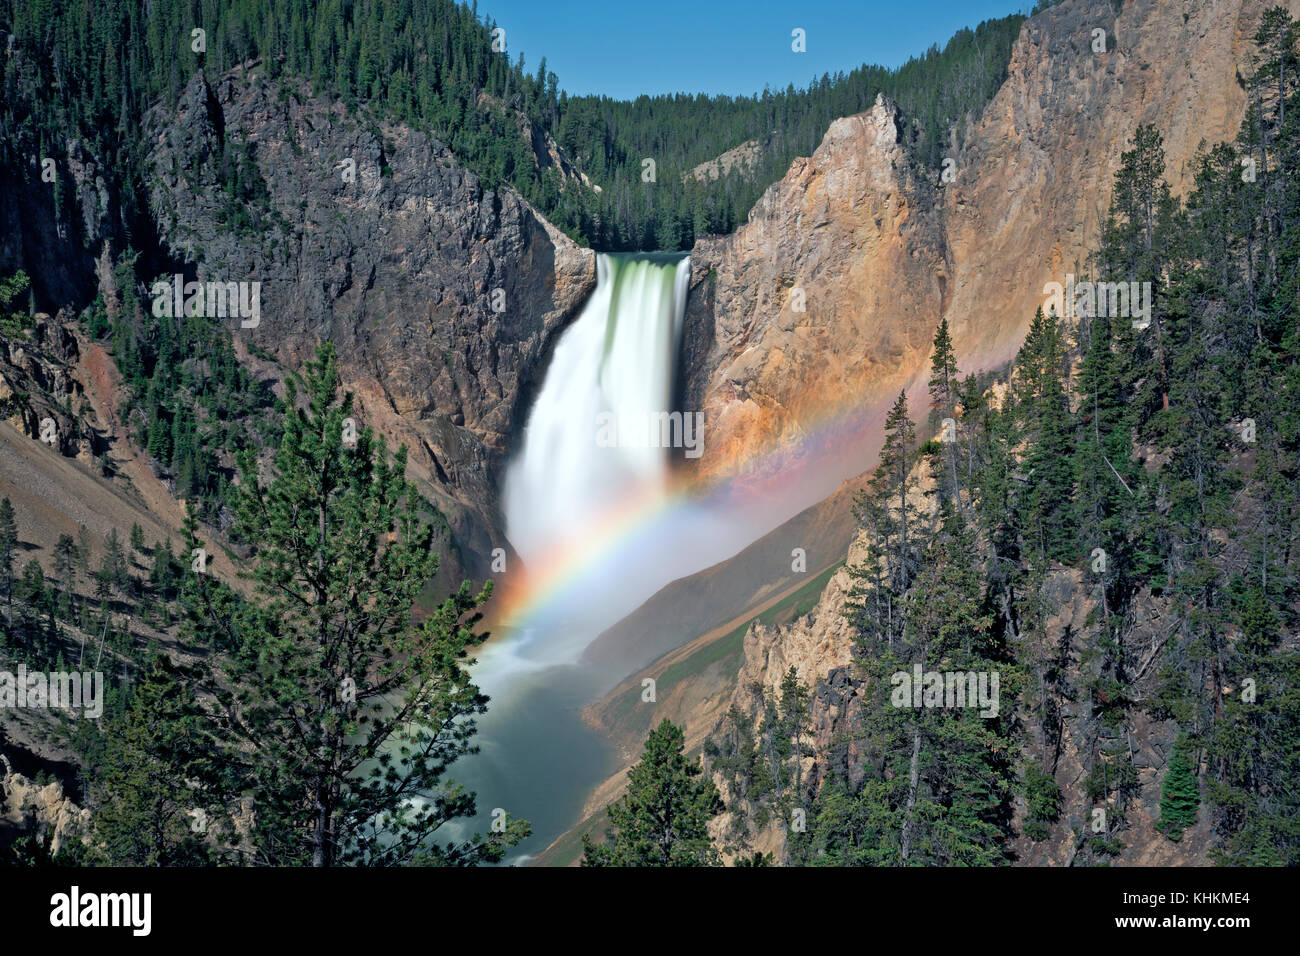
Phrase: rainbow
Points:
(777, 482)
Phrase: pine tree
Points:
(943, 405)
(163, 573)
(342, 714)
(1180, 797)
(1044, 410)
(1136, 243)
(115, 568)
(794, 722)
(65, 563)
(892, 486)
(663, 819)
(8, 543)
(137, 538)
(886, 512)
(1042, 802)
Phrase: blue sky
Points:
(626, 47)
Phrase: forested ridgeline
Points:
(87, 70)
(1111, 529)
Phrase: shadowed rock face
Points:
(398, 265)
(37, 377)
(882, 250)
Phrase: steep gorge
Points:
(399, 265)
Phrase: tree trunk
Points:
(914, 776)
(320, 832)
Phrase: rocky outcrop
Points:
(814, 645)
(42, 809)
(442, 296)
(743, 158)
(41, 394)
(829, 294)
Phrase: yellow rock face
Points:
(879, 250)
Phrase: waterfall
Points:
(613, 367)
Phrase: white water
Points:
(619, 358)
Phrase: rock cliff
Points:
(826, 300)
(443, 296)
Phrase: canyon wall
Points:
(879, 251)
(443, 296)
(828, 294)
